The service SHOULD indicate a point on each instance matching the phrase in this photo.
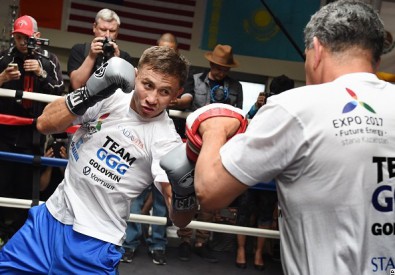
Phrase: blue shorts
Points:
(45, 246)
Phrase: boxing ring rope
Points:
(23, 203)
(215, 227)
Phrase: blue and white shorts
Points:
(45, 246)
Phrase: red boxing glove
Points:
(194, 140)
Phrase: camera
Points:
(56, 145)
(219, 94)
(108, 49)
(33, 42)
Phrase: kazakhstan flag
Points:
(250, 29)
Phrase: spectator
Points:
(51, 176)
(85, 58)
(334, 184)
(157, 240)
(214, 85)
(202, 89)
(150, 198)
(255, 209)
(168, 40)
(254, 204)
(24, 67)
(278, 85)
(114, 156)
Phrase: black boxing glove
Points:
(180, 171)
(115, 73)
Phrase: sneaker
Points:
(206, 254)
(184, 251)
(158, 256)
(128, 256)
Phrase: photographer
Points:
(56, 147)
(25, 67)
(85, 58)
(278, 85)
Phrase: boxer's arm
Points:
(59, 115)
(215, 187)
(56, 118)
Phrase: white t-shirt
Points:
(331, 149)
(113, 157)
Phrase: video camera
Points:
(108, 49)
(33, 42)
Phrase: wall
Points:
(62, 41)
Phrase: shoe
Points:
(184, 251)
(158, 256)
(128, 256)
(203, 252)
(241, 265)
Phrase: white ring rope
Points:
(215, 227)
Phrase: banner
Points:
(48, 17)
(250, 29)
(141, 21)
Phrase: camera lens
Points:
(108, 49)
(219, 94)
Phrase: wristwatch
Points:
(43, 74)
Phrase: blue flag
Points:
(250, 29)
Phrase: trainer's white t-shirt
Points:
(331, 149)
(113, 157)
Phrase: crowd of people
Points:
(332, 169)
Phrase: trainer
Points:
(330, 147)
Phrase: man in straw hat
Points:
(214, 85)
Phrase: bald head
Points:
(168, 40)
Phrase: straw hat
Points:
(222, 55)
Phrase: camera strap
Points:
(28, 86)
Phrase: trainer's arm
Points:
(180, 219)
(56, 118)
(215, 187)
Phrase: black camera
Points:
(108, 49)
(56, 145)
(33, 43)
(219, 94)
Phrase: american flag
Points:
(141, 21)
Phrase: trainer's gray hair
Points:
(166, 61)
(107, 15)
(345, 24)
